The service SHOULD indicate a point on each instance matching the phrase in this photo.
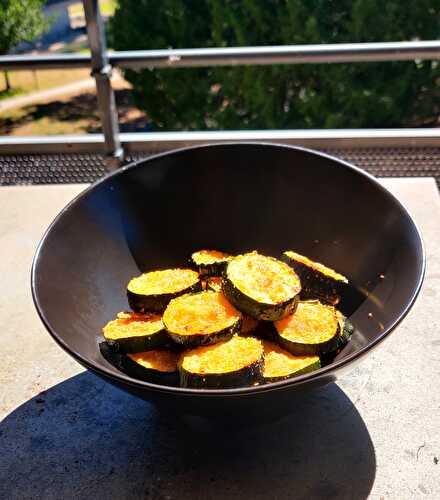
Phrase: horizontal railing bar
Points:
(232, 56)
(49, 61)
(285, 54)
(163, 141)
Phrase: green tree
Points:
(299, 96)
(20, 21)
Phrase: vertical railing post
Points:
(101, 71)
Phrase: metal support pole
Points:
(101, 70)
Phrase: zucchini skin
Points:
(126, 365)
(157, 303)
(140, 344)
(246, 376)
(346, 333)
(314, 284)
(210, 270)
(344, 337)
(301, 349)
(307, 369)
(258, 310)
(197, 339)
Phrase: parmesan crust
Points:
(264, 279)
(128, 325)
(312, 323)
(162, 361)
(200, 313)
(229, 356)
(162, 282)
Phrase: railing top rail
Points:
(231, 56)
(160, 141)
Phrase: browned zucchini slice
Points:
(158, 366)
(317, 281)
(201, 318)
(262, 287)
(312, 330)
(280, 364)
(346, 330)
(210, 262)
(235, 362)
(135, 332)
(152, 292)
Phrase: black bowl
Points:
(235, 197)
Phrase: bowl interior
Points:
(233, 197)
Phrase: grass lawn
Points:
(23, 82)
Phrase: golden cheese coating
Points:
(200, 313)
(160, 360)
(312, 323)
(228, 356)
(205, 257)
(280, 363)
(128, 325)
(164, 281)
(264, 279)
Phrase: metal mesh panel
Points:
(76, 168)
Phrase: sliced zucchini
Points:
(135, 332)
(214, 283)
(236, 362)
(201, 318)
(158, 366)
(312, 330)
(280, 364)
(317, 281)
(210, 262)
(346, 330)
(152, 292)
(262, 287)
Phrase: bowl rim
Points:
(239, 391)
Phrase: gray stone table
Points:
(65, 434)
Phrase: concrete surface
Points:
(66, 434)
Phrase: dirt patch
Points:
(71, 115)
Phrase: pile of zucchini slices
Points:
(229, 321)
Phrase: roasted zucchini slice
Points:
(317, 281)
(201, 318)
(210, 262)
(214, 283)
(158, 366)
(152, 292)
(235, 362)
(262, 287)
(312, 330)
(280, 364)
(346, 330)
(135, 332)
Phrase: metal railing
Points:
(112, 143)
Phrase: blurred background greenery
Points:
(363, 95)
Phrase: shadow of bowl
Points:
(85, 439)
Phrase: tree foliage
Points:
(20, 21)
(389, 94)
